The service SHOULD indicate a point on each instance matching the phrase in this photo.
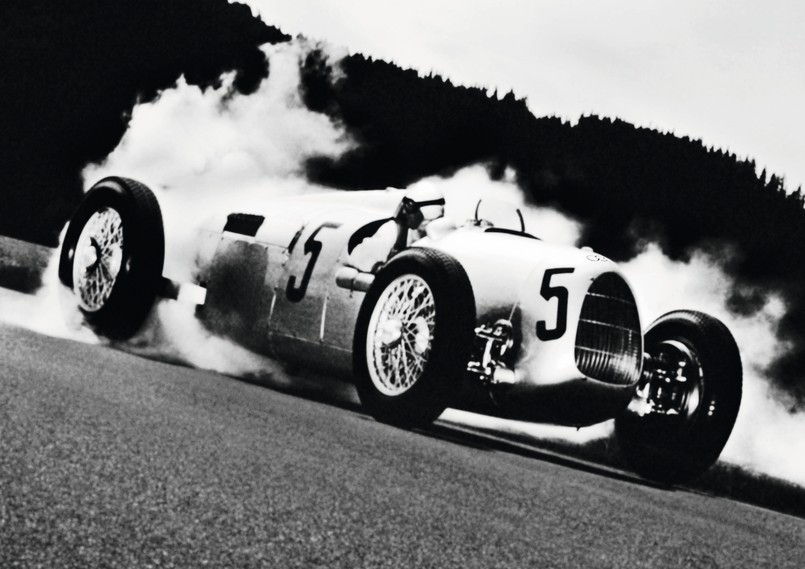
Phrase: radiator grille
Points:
(609, 344)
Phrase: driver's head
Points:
(420, 206)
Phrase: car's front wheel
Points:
(413, 336)
(112, 256)
(687, 401)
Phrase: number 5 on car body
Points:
(549, 292)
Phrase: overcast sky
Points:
(729, 72)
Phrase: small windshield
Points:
(498, 213)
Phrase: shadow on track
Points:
(341, 394)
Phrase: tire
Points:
(439, 337)
(674, 448)
(112, 256)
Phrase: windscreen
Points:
(500, 214)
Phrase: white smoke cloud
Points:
(207, 152)
(767, 438)
(500, 198)
(189, 138)
(51, 311)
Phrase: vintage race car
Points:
(481, 317)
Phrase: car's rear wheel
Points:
(687, 401)
(112, 256)
(413, 336)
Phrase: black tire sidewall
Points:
(452, 338)
(137, 282)
(683, 450)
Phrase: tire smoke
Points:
(52, 310)
(766, 437)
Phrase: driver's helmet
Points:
(420, 205)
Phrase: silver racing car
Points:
(423, 315)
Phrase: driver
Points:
(420, 214)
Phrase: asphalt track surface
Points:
(112, 460)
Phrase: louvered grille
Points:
(609, 344)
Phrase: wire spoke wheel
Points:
(112, 255)
(98, 257)
(400, 334)
(412, 337)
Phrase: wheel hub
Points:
(671, 381)
(391, 332)
(98, 258)
(400, 334)
(90, 256)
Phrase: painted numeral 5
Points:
(561, 294)
(313, 247)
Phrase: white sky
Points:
(728, 72)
